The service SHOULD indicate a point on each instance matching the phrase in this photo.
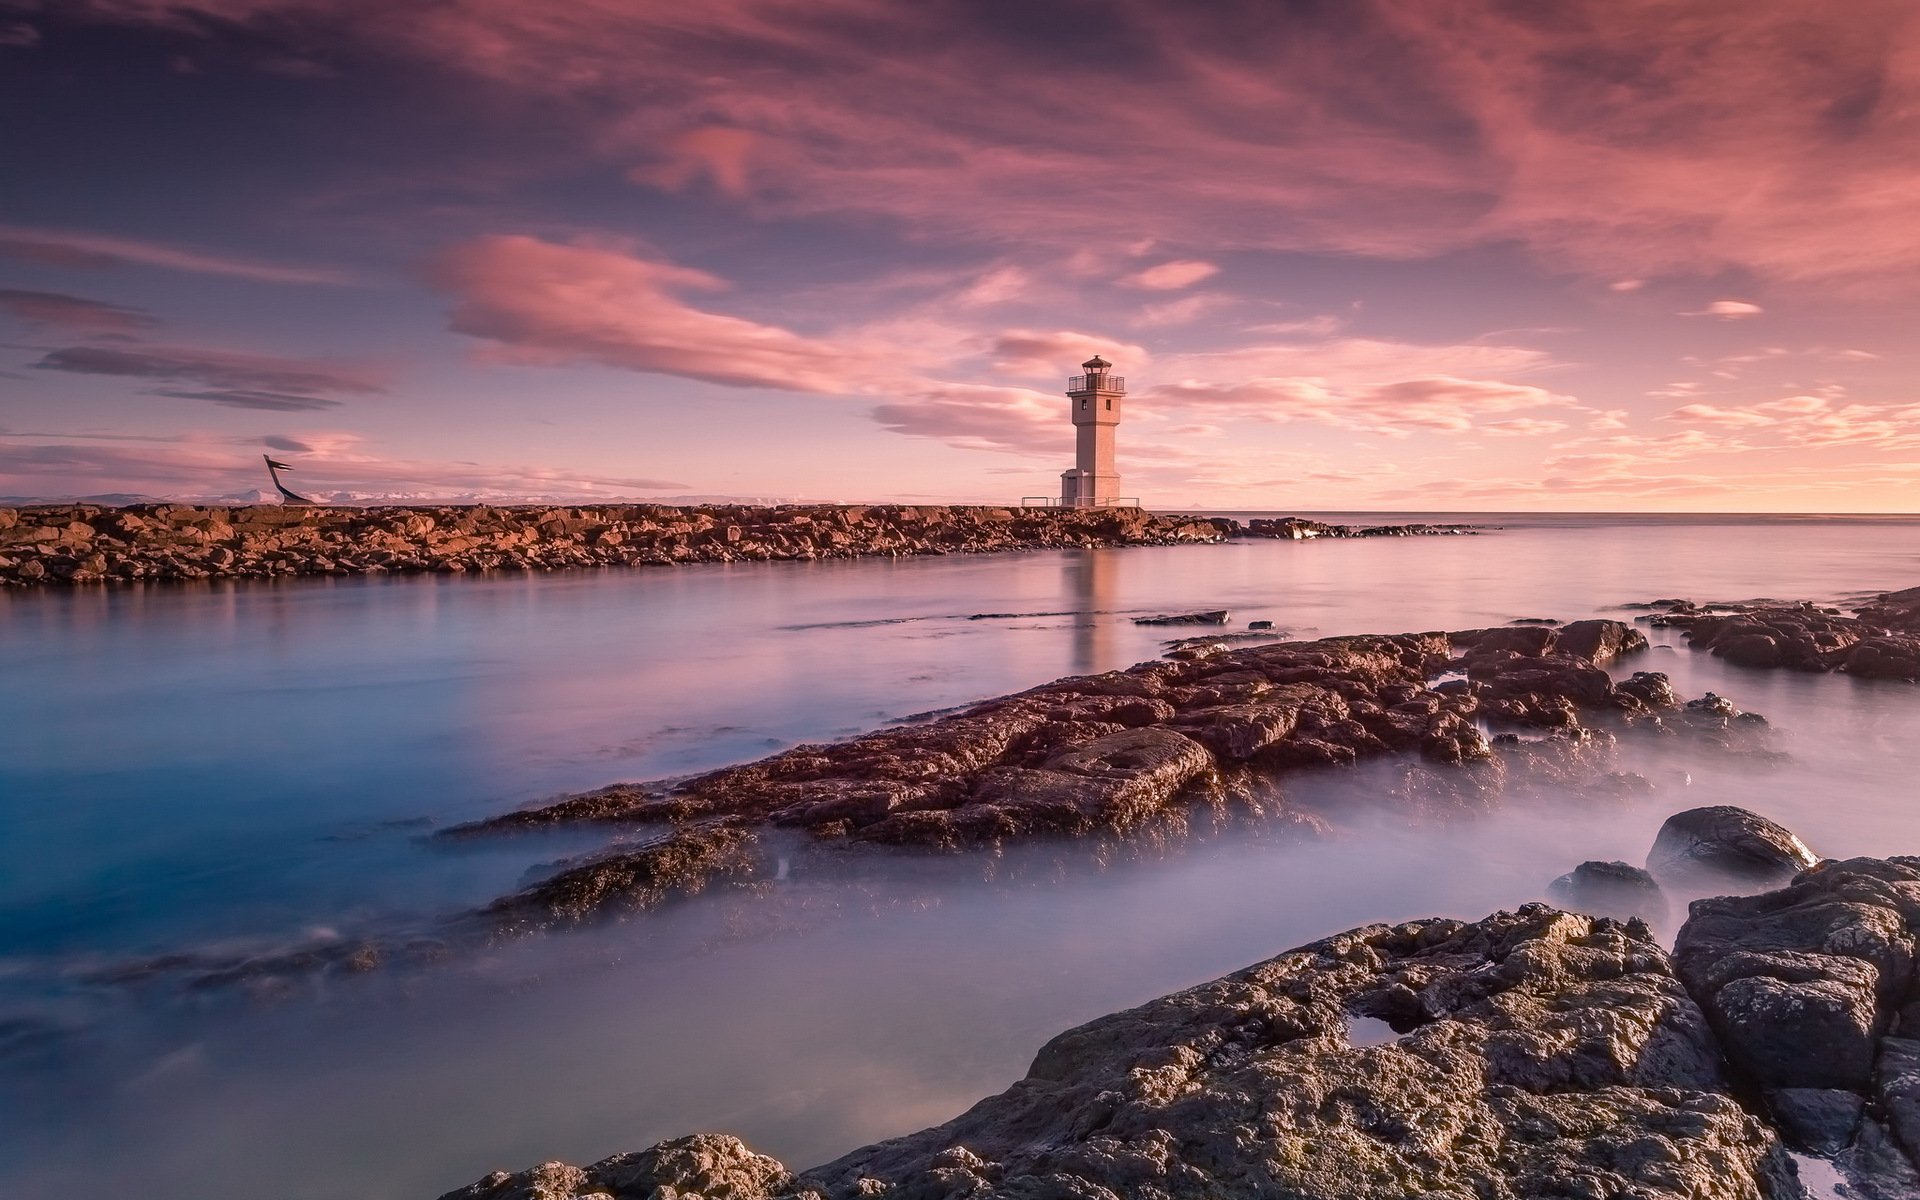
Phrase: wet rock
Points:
(1880, 641)
(1601, 641)
(1722, 843)
(1819, 1120)
(1610, 889)
(1650, 691)
(625, 880)
(1148, 751)
(1539, 1054)
(1812, 990)
(1215, 617)
(1801, 982)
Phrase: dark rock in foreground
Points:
(1722, 843)
(1541, 1054)
(1813, 994)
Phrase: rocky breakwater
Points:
(1530, 1054)
(1133, 756)
(79, 544)
(1879, 640)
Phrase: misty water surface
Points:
(251, 765)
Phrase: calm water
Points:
(252, 765)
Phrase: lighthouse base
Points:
(1085, 489)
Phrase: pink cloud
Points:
(1015, 420)
(1621, 137)
(1030, 352)
(718, 154)
(1727, 310)
(558, 304)
(1440, 404)
(1172, 276)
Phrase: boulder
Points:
(1811, 989)
(1610, 889)
(1601, 641)
(1724, 843)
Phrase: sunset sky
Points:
(1388, 254)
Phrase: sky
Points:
(1349, 254)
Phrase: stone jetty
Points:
(59, 544)
(79, 543)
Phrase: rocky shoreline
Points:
(82, 543)
(1880, 640)
(1534, 1053)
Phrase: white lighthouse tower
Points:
(1096, 399)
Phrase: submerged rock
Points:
(1540, 1054)
(626, 879)
(1217, 616)
(1611, 889)
(1722, 843)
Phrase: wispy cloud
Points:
(1727, 310)
(55, 310)
(220, 377)
(66, 248)
(1172, 276)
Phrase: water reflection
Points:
(1091, 577)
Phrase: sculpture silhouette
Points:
(274, 469)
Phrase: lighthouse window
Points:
(1083, 405)
(1109, 403)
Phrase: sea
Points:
(246, 767)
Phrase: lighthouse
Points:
(1094, 400)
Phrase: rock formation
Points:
(1881, 640)
(1141, 754)
(1812, 992)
